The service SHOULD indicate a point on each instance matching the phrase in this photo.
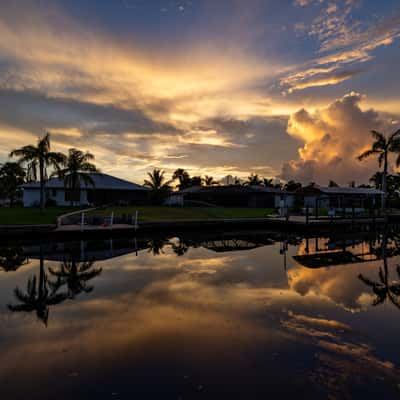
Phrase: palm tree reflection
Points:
(75, 276)
(39, 295)
(42, 293)
(384, 289)
(156, 246)
(180, 248)
(11, 258)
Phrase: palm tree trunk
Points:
(384, 181)
(384, 256)
(41, 167)
(41, 274)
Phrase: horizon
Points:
(288, 91)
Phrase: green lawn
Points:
(31, 216)
(185, 213)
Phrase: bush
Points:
(51, 203)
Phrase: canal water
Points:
(223, 315)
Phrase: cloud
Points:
(207, 102)
(342, 42)
(333, 137)
(304, 3)
(33, 111)
(320, 79)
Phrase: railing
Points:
(87, 217)
(349, 213)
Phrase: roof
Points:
(345, 190)
(231, 188)
(101, 181)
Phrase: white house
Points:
(339, 198)
(107, 189)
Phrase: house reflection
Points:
(325, 252)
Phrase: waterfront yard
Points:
(150, 213)
(33, 216)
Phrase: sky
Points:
(286, 89)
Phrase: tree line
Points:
(35, 161)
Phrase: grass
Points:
(186, 213)
(31, 216)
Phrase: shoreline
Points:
(172, 226)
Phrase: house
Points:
(232, 196)
(339, 198)
(107, 189)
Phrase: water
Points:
(244, 315)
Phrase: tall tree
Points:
(12, 175)
(182, 177)
(292, 186)
(381, 148)
(196, 181)
(253, 180)
(77, 167)
(332, 184)
(158, 185)
(209, 181)
(40, 157)
(269, 182)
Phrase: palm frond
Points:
(367, 153)
(379, 137)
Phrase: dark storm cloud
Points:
(35, 112)
(263, 140)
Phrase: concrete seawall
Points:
(279, 224)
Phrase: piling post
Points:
(307, 215)
(112, 220)
(136, 220)
(82, 221)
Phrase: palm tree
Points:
(209, 181)
(253, 180)
(38, 296)
(12, 175)
(183, 177)
(269, 182)
(76, 170)
(41, 157)
(292, 186)
(75, 276)
(158, 185)
(332, 184)
(381, 148)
